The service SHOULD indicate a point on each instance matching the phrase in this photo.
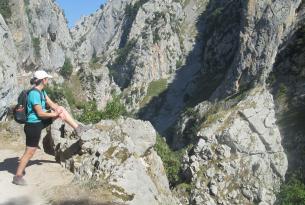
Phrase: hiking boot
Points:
(81, 129)
(18, 180)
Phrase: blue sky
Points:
(74, 9)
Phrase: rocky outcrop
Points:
(238, 158)
(118, 153)
(8, 70)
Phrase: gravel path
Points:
(42, 175)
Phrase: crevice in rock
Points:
(253, 128)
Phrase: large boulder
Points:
(120, 153)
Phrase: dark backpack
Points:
(20, 110)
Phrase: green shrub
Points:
(5, 9)
(171, 160)
(114, 109)
(36, 46)
(68, 93)
(66, 69)
(292, 192)
(90, 114)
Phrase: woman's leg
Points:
(65, 116)
(28, 154)
(32, 132)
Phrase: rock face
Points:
(40, 33)
(263, 28)
(8, 70)
(239, 158)
(119, 153)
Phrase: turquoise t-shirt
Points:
(34, 98)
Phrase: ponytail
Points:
(32, 81)
(35, 81)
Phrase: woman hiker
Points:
(38, 118)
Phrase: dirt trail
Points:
(42, 175)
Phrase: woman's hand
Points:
(55, 114)
(60, 110)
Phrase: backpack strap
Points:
(42, 95)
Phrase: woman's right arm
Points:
(53, 105)
(43, 114)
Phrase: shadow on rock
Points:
(18, 201)
(83, 202)
(10, 164)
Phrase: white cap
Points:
(41, 74)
